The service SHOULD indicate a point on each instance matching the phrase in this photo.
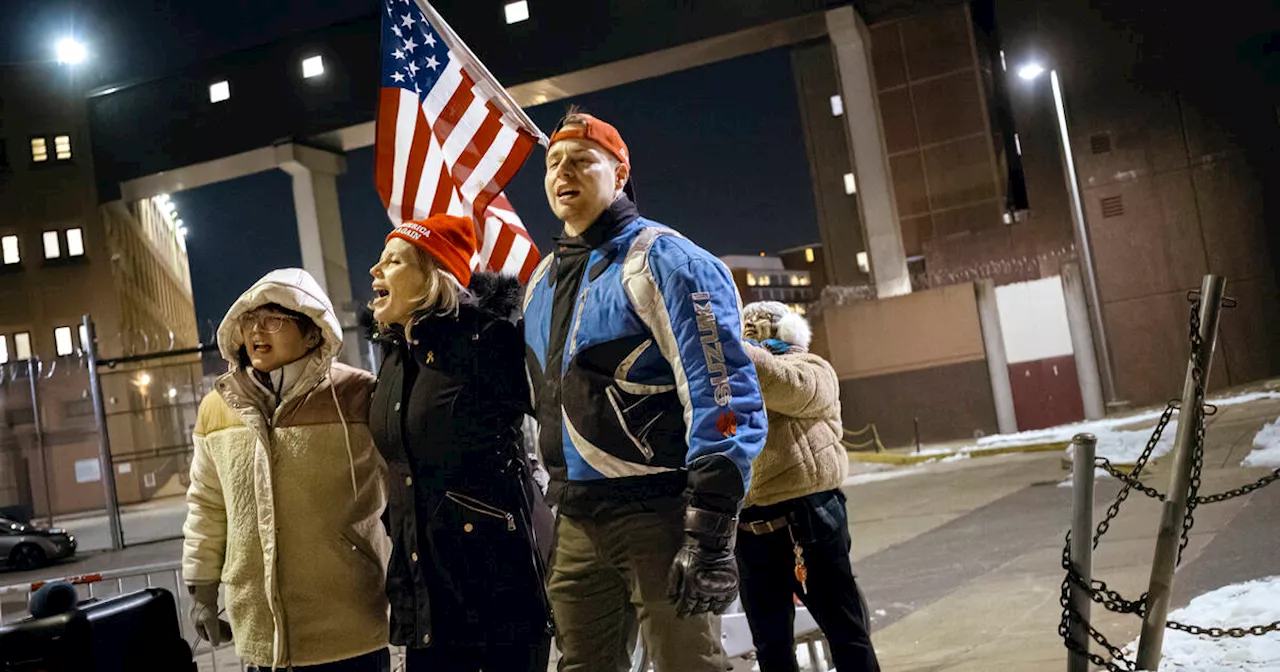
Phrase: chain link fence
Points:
(52, 469)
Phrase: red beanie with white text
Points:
(450, 240)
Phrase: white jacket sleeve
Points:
(205, 532)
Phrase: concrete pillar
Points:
(852, 44)
(1073, 291)
(324, 250)
(997, 361)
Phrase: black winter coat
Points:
(469, 529)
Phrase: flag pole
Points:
(453, 41)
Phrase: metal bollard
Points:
(1168, 540)
(1085, 448)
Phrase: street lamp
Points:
(70, 51)
(1030, 72)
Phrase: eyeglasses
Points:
(266, 323)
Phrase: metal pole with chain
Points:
(1190, 417)
(1084, 447)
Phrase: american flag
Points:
(449, 137)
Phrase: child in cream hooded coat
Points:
(287, 490)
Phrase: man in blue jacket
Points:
(650, 415)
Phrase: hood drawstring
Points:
(346, 435)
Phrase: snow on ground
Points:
(1121, 446)
(1238, 605)
(1266, 448)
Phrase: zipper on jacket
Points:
(577, 321)
(473, 504)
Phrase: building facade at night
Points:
(934, 167)
(63, 255)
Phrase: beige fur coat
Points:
(802, 455)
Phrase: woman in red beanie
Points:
(467, 523)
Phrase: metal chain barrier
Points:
(1112, 600)
(1240, 491)
(1131, 479)
(1218, 633)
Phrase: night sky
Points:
(718, 150)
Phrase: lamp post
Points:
(1030, 72)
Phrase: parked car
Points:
(26, 547)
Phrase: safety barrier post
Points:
(1190, 417)
(1084, 450)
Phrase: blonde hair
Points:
(441, 293)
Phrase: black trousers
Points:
(527, 657)
(378, 661)
(820, 524)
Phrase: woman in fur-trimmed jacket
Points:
(468, 526)
(793, 536)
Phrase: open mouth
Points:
(566, 193)
(380, 294)
(261, 348)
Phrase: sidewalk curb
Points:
(912, 458)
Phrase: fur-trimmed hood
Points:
(772, 319)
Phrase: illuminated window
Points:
(62, 341)
(312, 67)
(62, 147)
(864, 264)
(837, 106)
(808, 254)
(22, 346)
(4, 349)
(9, 250)
(219, 91)
(52, 250)
(795, 280)
(39, 150)
(751, 280)
(516, 11)
(75, 243)
(765, 280)
(850, 185)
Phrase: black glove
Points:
(704, 576)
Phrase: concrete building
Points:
(765, 278)
(807, 258)
(64, 256)
(933, 168)
(1170, 169)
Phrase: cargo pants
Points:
(607, 576)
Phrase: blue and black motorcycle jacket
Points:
(644, 394)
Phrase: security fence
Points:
(103, 447)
